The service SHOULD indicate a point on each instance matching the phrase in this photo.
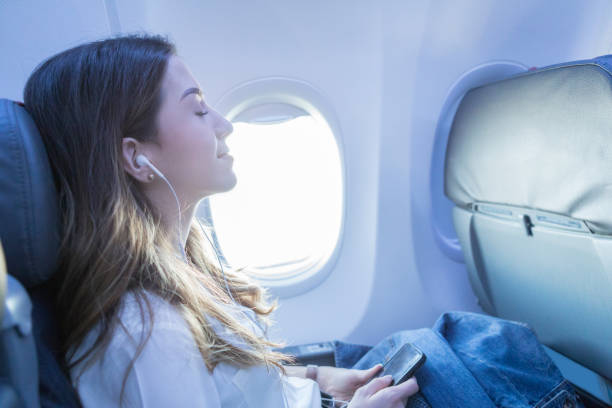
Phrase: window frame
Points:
(304, 96)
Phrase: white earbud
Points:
(142, 160)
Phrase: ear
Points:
(130, 148)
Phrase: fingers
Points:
(392, 395)
(378, 394)
(399, 394)
(374, 386)
(371, 372)
(408, 387)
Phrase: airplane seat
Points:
(29, 232)
(10, 333)
(529, 167)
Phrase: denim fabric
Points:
(346, 355)
(473, 360)
(505, 357)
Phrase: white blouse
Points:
(170, 371)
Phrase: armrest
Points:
(321, 354)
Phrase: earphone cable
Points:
(178, 205)
(182, 249)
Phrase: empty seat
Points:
(529, 167)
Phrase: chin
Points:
(228, 184)
(221, 185)
(231, 185)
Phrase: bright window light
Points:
(284, 214)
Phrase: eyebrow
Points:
(191, 91)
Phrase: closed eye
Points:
(202, 113)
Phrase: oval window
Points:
(284, 216)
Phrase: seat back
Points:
(19, 368)
(529, 167)
(10, 331)
(29, 231)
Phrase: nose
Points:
(224, 127)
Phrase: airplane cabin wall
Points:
(427, 46)
(386, 68)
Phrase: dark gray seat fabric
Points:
(54, 385)
(29, 230)
(19, 368)
(10, 310)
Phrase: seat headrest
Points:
(542, 140)
(29, 227)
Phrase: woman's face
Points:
(190, 149)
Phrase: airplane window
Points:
(284, 215)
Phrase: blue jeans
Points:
(473, 360)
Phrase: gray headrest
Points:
(29, 226)
(541, 140)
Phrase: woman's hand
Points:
(342, 383)
(377, 393)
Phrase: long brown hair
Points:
(84, 101)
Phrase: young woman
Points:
(148, 316)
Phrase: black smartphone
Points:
(403, 363)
